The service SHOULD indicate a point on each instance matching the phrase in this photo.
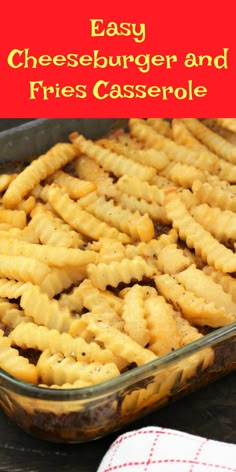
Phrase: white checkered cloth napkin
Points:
(154, 449)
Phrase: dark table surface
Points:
(209, 412)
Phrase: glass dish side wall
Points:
(90, 413)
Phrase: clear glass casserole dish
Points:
(78, 415)
(88, 413)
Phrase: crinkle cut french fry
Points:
(112, 274)
(175, 152)
(79, 329)
(183, 136)
(54, 368)
(25, 234)
(188, 198)
(223, 132)
(134, 224)
(38, 170)
(75, 187)
(112, 162)
(187, 332)
(15, 317)
(47, 210)
(182, 174)
(36, 191)
(16, 218)
(5, 180)
(6, 305)
(46, 254)
(138, 188)
(161, 126)
(203, 286)
(148, 157)
(45, 311)
(29, 335)
(27, 204)
(227, 171)
(164, 239)
(119, 343)
(161, 182)
(102, 244)
(205, 245)
(151, 249)
(135, 324)
(154, 210)
(111, 250)
(215, 195)
(88, 169)
(22, 268)
(228, 123)
(221, 224)
(114, 301)
(125, 138)
(148, 251)
(16, 365)
(164, 336)
(94, 300)
(172, 260)
(149, 291)
(215, 181)
(11, 316)
(73, 300)
(106, 188)
(202, 359)
(195, 309)
(60, 279)
(11, 288)
(53, 231)
(227, 282)
(41, 193)
(212, 140)
(80, 219)
(5, 227)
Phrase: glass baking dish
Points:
(78, 415)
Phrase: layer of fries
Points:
(116, 252)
